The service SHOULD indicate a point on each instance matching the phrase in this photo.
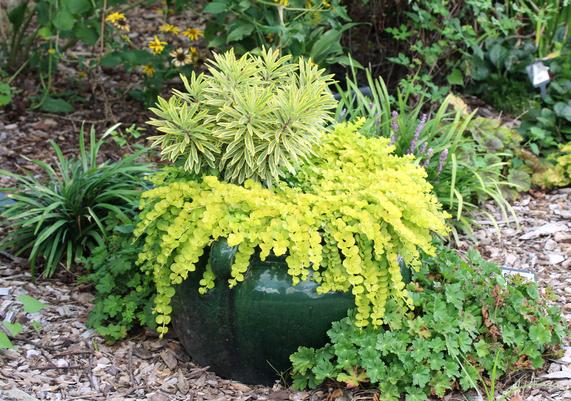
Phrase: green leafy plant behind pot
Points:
(253, 117)
(61, 216)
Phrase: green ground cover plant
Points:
(123, 294)
(58, 218)
(548, 124)
(469, 325)
(443, 45)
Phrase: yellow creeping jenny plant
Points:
(345, 220)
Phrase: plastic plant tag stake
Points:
(526, 274)
(538, 74)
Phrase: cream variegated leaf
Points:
(252, 116)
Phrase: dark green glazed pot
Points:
(248, 333)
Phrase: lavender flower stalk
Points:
(394, 126)
(442, 159)
(395, 121)
(417, 132)
(428, 156)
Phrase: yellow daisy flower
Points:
(114, 17)
(193, 33)
(148, 70)
(169, 28)
(157, 46)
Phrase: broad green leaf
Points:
(13, 328)
(53, 105)
(86, 34)
(45, 32)
(17, 14)
(324, 45)
(31, 305)
(5, 342)
(216, 7)
(77, 6)
(63, 20)
(239, 30)
(455, 77)
(5, 94)
(111, 60)
(563, 110)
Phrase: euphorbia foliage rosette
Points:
(253, 117)
(344, 220)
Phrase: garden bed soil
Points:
(68, 361)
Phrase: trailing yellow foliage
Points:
(558, 175)
(345, 220)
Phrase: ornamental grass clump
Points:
(253, 117)
(346, 220)
(62, 216)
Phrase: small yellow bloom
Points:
(169, 28)
(157, 46)
(193, 33)
(52, 51)
(193, 53)
(148, 70)
(283, 3)
(114, 17)
(326, 4)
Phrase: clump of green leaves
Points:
(549, 124)
(62, 216)
(438, 37)
(123, 294)
(469, 323)
(557, 174)
(253, 117)
(302, 28)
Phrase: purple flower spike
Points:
(428, 156)
(442, 159)
(422, 148)
(377, 121)
(417, 132)
(395, 121)
(393, 139)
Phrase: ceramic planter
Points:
(247, 333)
